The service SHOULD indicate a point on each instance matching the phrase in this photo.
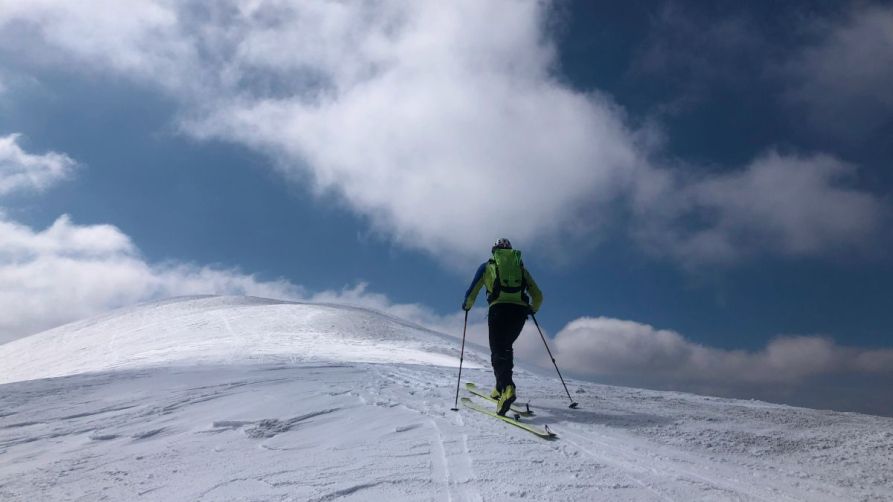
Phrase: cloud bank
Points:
(604, 346)
(68, 272)
(443, 124)
(805, 370)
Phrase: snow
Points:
(223, 329)
(230, 398)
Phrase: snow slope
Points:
(227, 398)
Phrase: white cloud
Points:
(843, 80)
(440, 129)
(440, 126)
(441, 122)
(603, 347)
(67, 272)
(789, 204)
(141, 38)
(20, 170)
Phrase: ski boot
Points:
(505, 400)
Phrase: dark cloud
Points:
(832, 65)
(694, 53)
(843, 82)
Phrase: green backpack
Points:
(509, 284)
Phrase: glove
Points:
(465, 308)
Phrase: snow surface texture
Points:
(248, 399)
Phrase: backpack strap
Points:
(497, 285)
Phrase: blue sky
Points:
(711, 182)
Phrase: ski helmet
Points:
(502, 243)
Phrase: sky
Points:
(701, 191)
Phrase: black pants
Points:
(505, 321)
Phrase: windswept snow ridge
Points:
(321, 403)
(222, 329)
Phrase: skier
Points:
(507, 283)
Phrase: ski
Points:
(521, 409)
(543, 432)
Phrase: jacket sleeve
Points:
(476, 284)
(536, 296)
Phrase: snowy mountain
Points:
(231, 398)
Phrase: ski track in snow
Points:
(260, 419)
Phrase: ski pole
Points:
(573, 404)
(461, 357)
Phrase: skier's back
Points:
(507, 283)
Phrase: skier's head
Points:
(501, 243)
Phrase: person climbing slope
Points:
(507, 283)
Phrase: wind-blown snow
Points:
(221, 329)
(321, 402)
